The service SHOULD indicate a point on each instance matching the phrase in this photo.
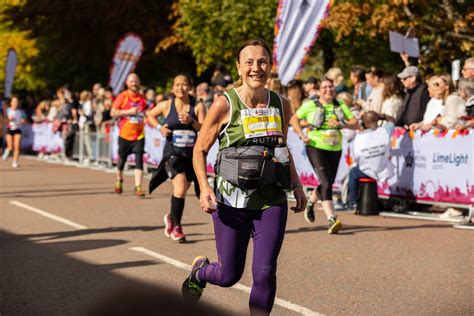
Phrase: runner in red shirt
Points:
(129, 107)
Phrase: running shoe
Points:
(335, 225)
(192, 288)
(168, 225)
(177, 234)
(119, 186)
(15, 164)
(139, 192)
(309, 213)
(339, 206)
(5, 155)
(352, 208)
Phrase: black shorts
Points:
(127, 147)
(179, 164)
(13, 131)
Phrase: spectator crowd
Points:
(406, 99)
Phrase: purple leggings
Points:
(233, 228)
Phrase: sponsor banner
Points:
(10, 68)
(42, 138)
(430, 167)
(297, 26)
(127, 53)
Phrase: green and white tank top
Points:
(249, 126)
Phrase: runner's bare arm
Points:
(200, 111)
(216, 118)
(295, 180)
(156, 111)
(116, 110)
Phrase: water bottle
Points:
(282, 165)
(318, 117)
(281, 153)
(340, 115)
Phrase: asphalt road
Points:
(70, 246)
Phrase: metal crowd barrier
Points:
(93, 147)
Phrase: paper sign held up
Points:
(399, 43)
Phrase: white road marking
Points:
(238, 286)
(178, 264)
(48, 215)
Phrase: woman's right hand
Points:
(208, 200)
(165, 131)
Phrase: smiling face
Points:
(254, 66)
(327, 91)
(181, 86)
(133, 82)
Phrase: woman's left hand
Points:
(334, 123)
(301, 200)
(184, 118)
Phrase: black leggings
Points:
(325, 163)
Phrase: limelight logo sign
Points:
(452, 158)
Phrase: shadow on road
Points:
(40, 279)
(80, 232)
(353, 229)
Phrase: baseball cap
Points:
(311, 80)
(408, 72)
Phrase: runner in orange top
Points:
(129, 107)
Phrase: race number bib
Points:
(261, 122)
(331, 137)
(184, 138)
(137, 118)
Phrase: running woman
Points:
(16, 117)
(248, 117)
(326, 117)
(183, 121)
(130, 107)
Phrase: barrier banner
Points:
(10, 68)
(44, 140)
(127, 53)
(430, 167)
(297, 26)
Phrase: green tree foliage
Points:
(76, 39)
(360, 31)
(26, 49)
(214, 29)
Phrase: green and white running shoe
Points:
(192, 288)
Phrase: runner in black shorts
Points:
(183, 121)
(16, 117)
(129, 107)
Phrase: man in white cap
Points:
(416, 97)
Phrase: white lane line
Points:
(178, 264)
(278, 301)
(48, 215)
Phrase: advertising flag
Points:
(10, 67)
(127, 53)
(297, 26)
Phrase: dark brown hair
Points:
(324, 78)
(254, 42)
(185, 75)
(391, 86)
